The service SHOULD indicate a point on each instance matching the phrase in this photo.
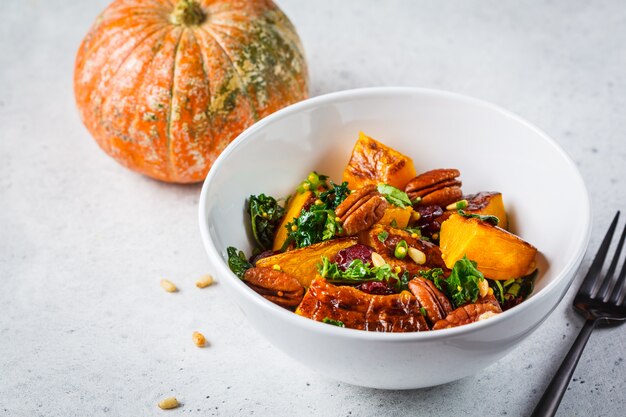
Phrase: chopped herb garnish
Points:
(394, 196)
(312, 182)
(337, 323)
(237, 261)
(393, 223)
(401, 249)
(265, 215)
(485, 218)
(415, 230)
(382, 236)
(423, 311)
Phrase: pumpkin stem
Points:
(188, 13)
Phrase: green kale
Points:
(436, 276)
(265, 215)
(484, 218)
(313, 226)
(337, 323)
(394, 196)
(319, 222)
(237, 261)
(513, 291)
(461, 287)
(462, 284)
(335, 195)
(359, 272)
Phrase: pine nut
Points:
(204, 281)
(168, 403)
(168, 285)
(199, 339)
(483, 288)
(416, 215)
(377, 260)
(417, 255)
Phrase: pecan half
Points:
(359, 310)
(469, 313)
(361, 209)
(431, 299)
(276, 286)
(437, 187)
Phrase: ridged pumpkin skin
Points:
(164, 94)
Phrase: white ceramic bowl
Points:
(495, 150)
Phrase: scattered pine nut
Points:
(417, 255)
(204, 281)
(168, 285)
(276, 267)
(414, 235)
(168, 403)
(416, 215)
(199, 339)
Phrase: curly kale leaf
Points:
(335, 195)
(319, 222)
(359, 272)
(237, 261)
(461, 287)
(265, 215)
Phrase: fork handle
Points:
(551, 398)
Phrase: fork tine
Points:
(608, 279)
(618, 290)
(590, 282)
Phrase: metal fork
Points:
(601, 300)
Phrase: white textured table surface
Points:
(85, 328)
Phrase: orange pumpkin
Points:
(164, 85)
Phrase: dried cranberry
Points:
(345, 256)
(255, 258)
(376, 288)
(427, 222)
(428, 213)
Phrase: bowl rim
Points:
(314, 326)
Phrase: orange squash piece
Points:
(372, 163)
(488, 203)
(402, 216)
(294, 207)
(499, 255)
(302, 263)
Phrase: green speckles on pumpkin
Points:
(149, 117)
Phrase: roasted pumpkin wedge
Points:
(302, 263)
(488, 203)
(294, 207)
(372, 163)
(499, 255)
(401, 216)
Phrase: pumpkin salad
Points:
(387, 249)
